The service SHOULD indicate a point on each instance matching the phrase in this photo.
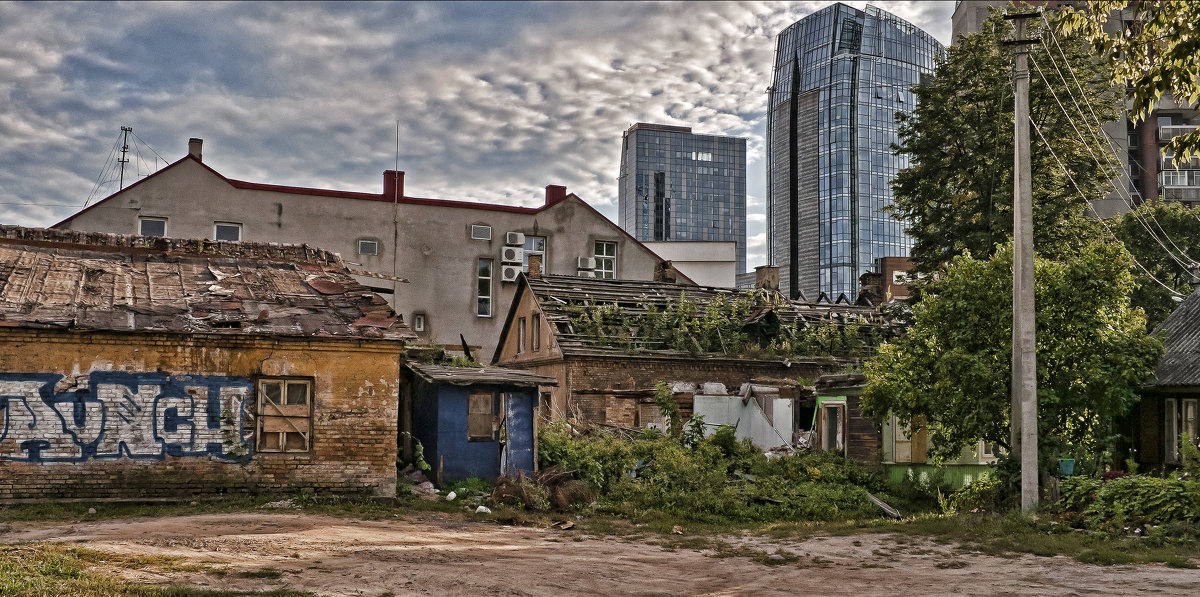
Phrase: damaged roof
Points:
(63, 279)
(1180, 363)
(480, 375)
(556, 294)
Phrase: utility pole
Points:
(1024, 334)
(125, 130)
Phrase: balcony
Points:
(1168, 132)
(1180, 185)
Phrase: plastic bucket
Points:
(1066, 467)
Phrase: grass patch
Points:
(266, 573)
(53, 569)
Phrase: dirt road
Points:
(443, 555)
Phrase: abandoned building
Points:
(1170, 404)
(135, 367)
(472, 421)
(594, 338)
(466, 254)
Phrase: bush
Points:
(1133, 503)
(986, 494)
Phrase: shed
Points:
(475, 421)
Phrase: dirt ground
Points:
(443, 555)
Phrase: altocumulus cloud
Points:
(493, 101)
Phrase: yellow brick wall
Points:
(100, 415)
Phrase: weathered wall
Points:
(145, 415)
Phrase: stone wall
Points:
(102, 415)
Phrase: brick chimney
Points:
(766, 276)
(555, 194)
(195, 145)
(393, 185)
(535, 267)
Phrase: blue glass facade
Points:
(679, 186)
(841, 75)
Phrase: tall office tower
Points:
(841, 75)
(676, 185)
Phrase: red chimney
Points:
(393, 185)
(555, 194)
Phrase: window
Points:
(368, 247)
(284, 415)
(481, 232)
(418, 322)
(1180, 418)
(480, 416)
(520, 335)
(227, 231)
(606, 259)
(152, 226)
(535, 330)
(483, 290)
(535, 245)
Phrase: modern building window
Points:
(481, 232)
(284, 415)
(535, 332)
(227, 231)
(480, 416)
(535, 245)
(368, 247)
(520, 335)
(483, 288)
(606, 260)
(152, 226)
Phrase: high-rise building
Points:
(676, 185)
(841, 75)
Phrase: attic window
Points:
(227, 231)
(480, 232)
(152, 226)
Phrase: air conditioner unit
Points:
(515, 239)
(586, 273)
(509, 273)
(512, 254)
(587, 263)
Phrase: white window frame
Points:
(143, 219)
(481, 232)
(483, 282)
(359, 246)
(237, 225)
(530, 241)
(418, 322)
(606, 265)
(1180, 416)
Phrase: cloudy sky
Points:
(494, 100)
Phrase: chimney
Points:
(194, 147)
(393, 185)
(766, 276)
(665, 272)
(535, 267)
(555, 194)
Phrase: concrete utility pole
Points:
(125, 130)
(1024, 333)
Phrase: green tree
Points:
(957, 192)
(954, 366)
(1142, 230)
(1156, 54)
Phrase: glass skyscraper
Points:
(679, 186)
(841, 74)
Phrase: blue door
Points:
(517, 450)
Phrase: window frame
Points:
(358, 247)
(288, 416)
(521, 335)
(477, 417)
(530, 240)
(143, 219)
(419, 321)
(475, 227)
(535, 332)
(607, 273)
(480, 280)
(237, 225)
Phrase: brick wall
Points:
(155, 415)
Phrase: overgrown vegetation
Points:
(721, 326)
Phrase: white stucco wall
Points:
(708, 263)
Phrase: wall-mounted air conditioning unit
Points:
(509, 273)
(512, 254)
(587, 263)
(586, 273)
(515, 239)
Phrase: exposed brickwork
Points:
(354, 421)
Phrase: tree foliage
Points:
(954, 366)
(957, 192)
(1155, 53)
(1177, 227)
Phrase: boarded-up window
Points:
(480, 417)
(284, 415)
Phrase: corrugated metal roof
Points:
(480, 375)
(1180, 364)
(556, 295)
(105, 282)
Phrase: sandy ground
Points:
(443, 555)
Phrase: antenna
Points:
(125, 130)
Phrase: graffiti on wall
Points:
(46, 417)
